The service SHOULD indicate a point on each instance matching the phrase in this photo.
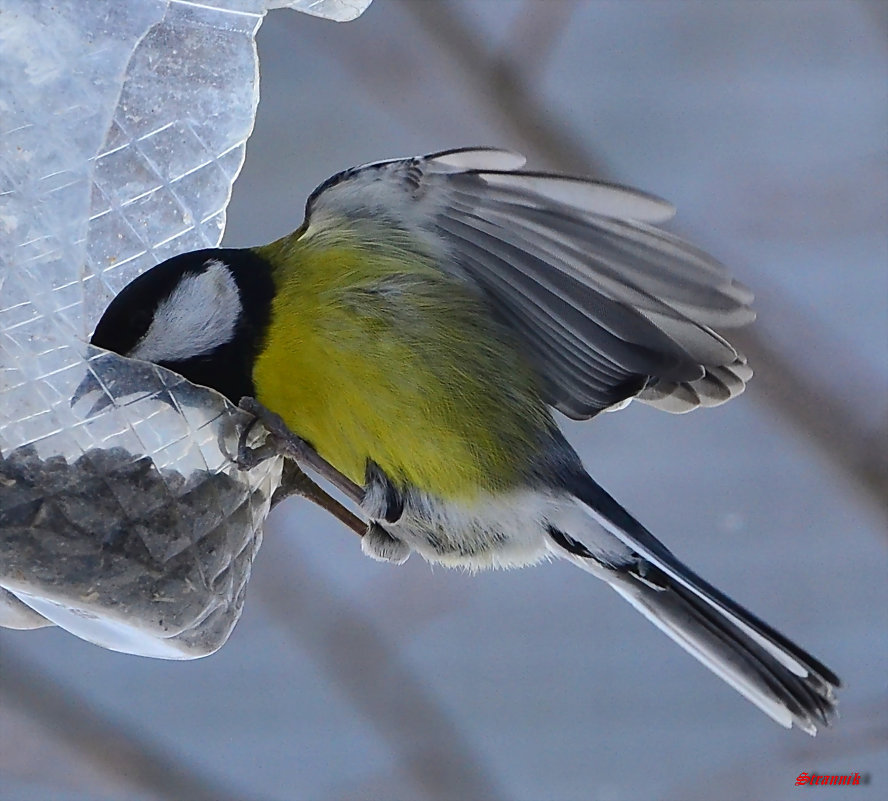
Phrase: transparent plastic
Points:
(122, 127)
(339, 10)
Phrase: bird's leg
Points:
(294, 481)
(376, 541)
(283, 442)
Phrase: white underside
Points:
(503, 531)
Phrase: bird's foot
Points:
(280, 441)
(283, 442)
(378, 544)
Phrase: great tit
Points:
(417, 330)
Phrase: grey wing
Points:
(608, 307)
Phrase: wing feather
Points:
(602, 277)
(608, 306)
(617, 332)
(606, 279)
(578, 194)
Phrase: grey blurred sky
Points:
(767, 124)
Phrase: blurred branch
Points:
(807, 406)
(112, 748)
(354, 654)
(535, 33)
(502, 89)
(856, 449)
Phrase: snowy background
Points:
(766, 123)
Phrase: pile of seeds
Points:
(113, 534)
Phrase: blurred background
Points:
(766, 123)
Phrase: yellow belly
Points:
(375, 357)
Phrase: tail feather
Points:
(729, 653)
(775, 674)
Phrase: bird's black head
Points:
(202, 315)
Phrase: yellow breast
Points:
(379, 355)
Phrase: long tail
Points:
(780, 678)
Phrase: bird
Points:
(419, 330)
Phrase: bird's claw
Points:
(273, 422)
(279, 441)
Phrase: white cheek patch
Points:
(200, 314)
